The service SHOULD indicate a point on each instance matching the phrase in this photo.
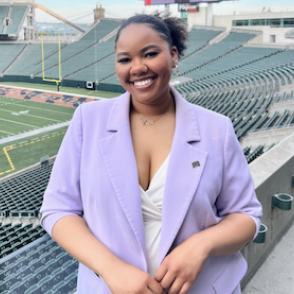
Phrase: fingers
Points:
(155, 287)
(176, 286)
(167, 280)
(161, 271)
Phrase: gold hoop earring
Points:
(177, 71)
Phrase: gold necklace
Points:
(149, 124)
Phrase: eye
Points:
(151, 54)
(124, 60)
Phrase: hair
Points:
(172, 29)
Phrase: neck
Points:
(155, 109)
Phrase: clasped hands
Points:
(175, 275)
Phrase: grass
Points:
(22, 153)
(70, 90)
(19, 115)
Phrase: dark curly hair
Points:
(172, 29)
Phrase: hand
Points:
(124, 278)
(182, 266)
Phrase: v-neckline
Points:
(156, 174)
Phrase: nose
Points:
(138, 67)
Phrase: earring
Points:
(117, 80)
(177, 71)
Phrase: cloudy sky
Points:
(82, 11)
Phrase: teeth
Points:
(142, 83)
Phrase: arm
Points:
(239, 210)
(62, 218)
(73, 234)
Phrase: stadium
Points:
(240, 65)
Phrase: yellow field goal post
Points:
(59, 64)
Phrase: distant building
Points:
(99, 13)
(17, 20)
(275, 26)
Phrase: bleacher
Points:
(3, 13)
(17, 15)
(97, 71)
(14, 237)
(29, 61)
(200, 37)
(8, 53)
(30, 261)
(100, 30)
(40, 267)
(230, 43)
(92, 56)
(24, 193)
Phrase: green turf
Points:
(18, 115)
(71, 90)
(28, 151)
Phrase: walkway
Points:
(276, 275)
(35, 132)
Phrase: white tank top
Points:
(151, 201)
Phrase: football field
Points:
(19, 116)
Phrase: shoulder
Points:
(99, 106)
(209, 120)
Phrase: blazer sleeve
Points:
(62, 196)
(237, 192)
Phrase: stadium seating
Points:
(8, 53)
(92, 56)
(15, 237)
(29, 61)
(98, 71)
(3, 13)
(17, 15)
(100, 30)
(42, 267)
(24, 193)
(199, 37)
(230, 43)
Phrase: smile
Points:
(143, 83)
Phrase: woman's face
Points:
(144, 62)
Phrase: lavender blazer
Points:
(95, 173)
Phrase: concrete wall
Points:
(282, 106)
(272, 173)
(266, 137)
(197, 18)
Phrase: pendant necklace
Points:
(147, 123)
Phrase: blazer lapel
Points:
(117, 152)
(185, 168)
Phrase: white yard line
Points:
(34, 116)
(4, 132)
(19, 123)
(39, 108)
(34, 132)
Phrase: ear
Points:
(175, 56)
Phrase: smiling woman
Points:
(159, 198)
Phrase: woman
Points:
(164, 188)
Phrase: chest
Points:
(152, 145)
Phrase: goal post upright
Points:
(59, 64)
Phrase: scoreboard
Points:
(158, 2)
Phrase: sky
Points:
(82, 11)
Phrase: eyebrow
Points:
(142, 50)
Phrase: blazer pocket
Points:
(228, 281)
